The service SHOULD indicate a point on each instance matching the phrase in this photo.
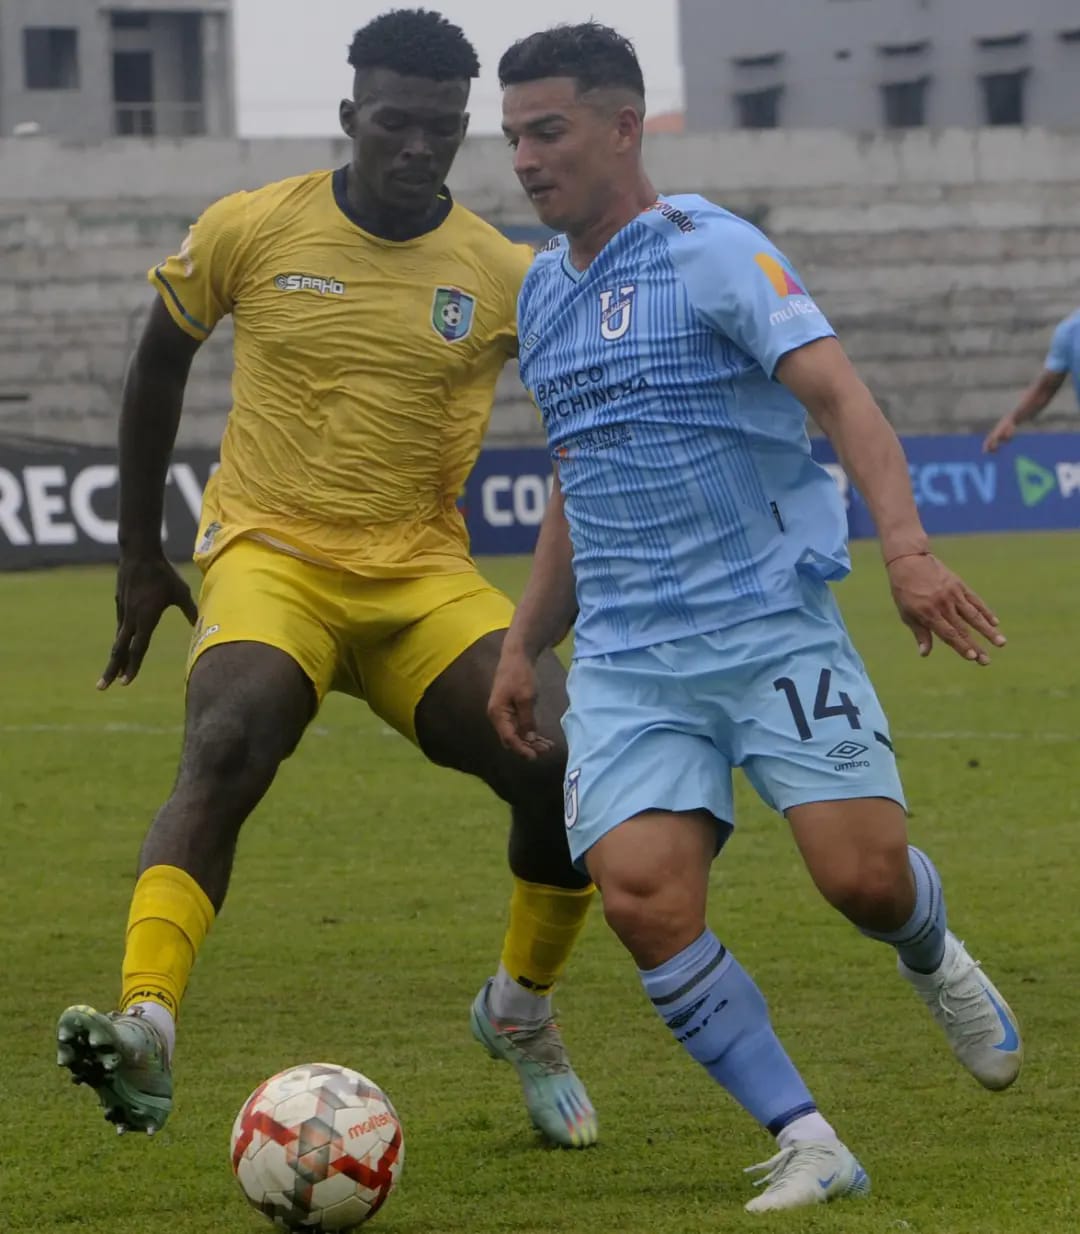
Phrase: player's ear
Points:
(465, 125)
(347, 117)
(629, 127)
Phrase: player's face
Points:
(405, 133)
(565, 151)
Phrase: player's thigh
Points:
(634, 749)
(441, 660)
(806, 722)
(252, 593)
(452, 725)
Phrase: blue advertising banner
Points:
(1032, 484)
(58, 502)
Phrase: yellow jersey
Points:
(364, 373)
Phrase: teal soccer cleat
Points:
(123, 1058)
(556, 1099)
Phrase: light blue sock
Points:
(920, 942)
(720, 1018)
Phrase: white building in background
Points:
(91, 69)
(860, 65)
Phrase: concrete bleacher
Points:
(944, 259)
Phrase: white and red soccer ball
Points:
(317, 1148)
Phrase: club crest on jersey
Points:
(452, 312)
(616, 309)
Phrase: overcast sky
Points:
(291, 69)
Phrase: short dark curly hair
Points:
(415, 43)
(596, 56)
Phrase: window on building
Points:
(997, 42)
(51, 58)
(768, 60)
(133, 94)
(130, 21)
(1003, 97)
(892, 50)
(904, 103)
(758, 109)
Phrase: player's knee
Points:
(873, 889)
(533, 788)
(224, 753)
(649, 914)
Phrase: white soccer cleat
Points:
(809, 1172)
(978, 1022)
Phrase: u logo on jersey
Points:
(452, 312)
(616, 309)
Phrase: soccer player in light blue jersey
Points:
(691, 540)
(1062, 359)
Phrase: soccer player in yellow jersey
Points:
(372, 318)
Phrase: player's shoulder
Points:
(494, 253)
(547, 260)
(293, 191)
(1071, 324)
(251, 206)
(690, 223)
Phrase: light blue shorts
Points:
(785, 697)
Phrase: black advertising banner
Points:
(58, 503)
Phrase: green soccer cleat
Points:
(124, 1060)
(556, 1099)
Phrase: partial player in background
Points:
(373, 316)
(1062, 360)
(674, 354)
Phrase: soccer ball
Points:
(317, 1148)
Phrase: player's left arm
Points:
(932, 600)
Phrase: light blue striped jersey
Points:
(1064, 355)
(690, 492)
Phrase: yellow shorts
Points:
(382, 640)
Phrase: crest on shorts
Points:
(452, 313)
(570, 795)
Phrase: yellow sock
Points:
(168, 922)
(544, 925)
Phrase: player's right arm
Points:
(543, 619)
(1032, 401)
(195, 289)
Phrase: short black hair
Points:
(415, 43)
(596, 56)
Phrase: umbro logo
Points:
(530, 341)
(846, 750)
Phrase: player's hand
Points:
(1002, 432)
(145, 588)
(934, 601)
(512, 705)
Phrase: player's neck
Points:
(388, 222)
(586, 244)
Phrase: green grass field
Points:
(368, 907)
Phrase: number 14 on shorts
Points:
(823, 709)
